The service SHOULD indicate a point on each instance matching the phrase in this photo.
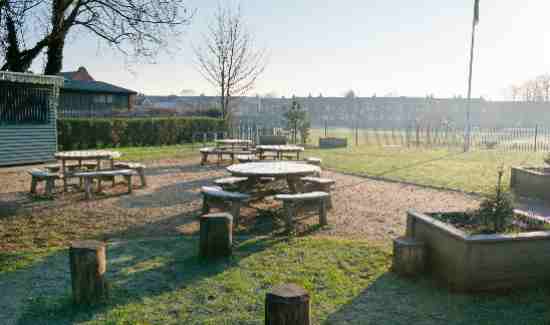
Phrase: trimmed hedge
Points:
(82, 133)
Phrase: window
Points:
(22, 103)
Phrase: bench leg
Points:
(141, 173)
(129, 181)
(205, 206)
(236, 212)
(329, 200)
(50, 184)
(323, 212)
(204, 158)
(34, 181)
(88, 187)
(290, 213)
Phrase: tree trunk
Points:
(287, 304)
(88, 266)
(54, 56)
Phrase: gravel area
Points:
(363, 208)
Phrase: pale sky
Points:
(404, 47)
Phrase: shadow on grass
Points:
(394, 300)
(137, 271)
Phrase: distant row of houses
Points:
(83, 96)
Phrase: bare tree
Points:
(138, 28)
(228, 58)
(349, 94)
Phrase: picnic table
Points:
(84, 155)
(291, 171)
(280, 150)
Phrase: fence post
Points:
(325, 128)
(536, 134)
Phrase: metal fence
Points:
(504, 139)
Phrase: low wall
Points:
(482, 262)
(530, 183)
(327, 143)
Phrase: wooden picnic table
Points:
(234, 142)
(84, 155)
(280, 150)
(289, 170)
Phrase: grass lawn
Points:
(163, 282)
(474, 171)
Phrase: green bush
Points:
(123, 132)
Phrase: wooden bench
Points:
(204, 154)
(246, 158)
(39, 175)
(314, 184)
(314, 161)
(232, 183)
(88, 178)
(139, 168)
(291, 202)
(213, 195)
(71, 167)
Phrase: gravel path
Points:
(363, 208)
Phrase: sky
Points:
(398, 47)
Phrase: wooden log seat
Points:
(409, 256)
(39, 175)
(88, 178)
(88, 265)
(287, 304)
(137, 167)
(292, 202)
(215, 196)
(314, 184)
(216, 235)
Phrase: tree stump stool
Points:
(287, 304)
(409, 256)
(216, 235)
(88, 266)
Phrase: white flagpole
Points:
(467, 133)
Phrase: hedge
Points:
(82, 133)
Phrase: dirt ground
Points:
(170, 204)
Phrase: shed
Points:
(28, 116)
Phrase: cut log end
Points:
(88, 266)
(287, 304)
(409, 256)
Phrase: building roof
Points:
(95, 87)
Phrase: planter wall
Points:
(482, 262)
(329, 143)
(530, 183)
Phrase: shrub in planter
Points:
(491, 248)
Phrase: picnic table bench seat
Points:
(40, 175)
(320, 184)
(88, 177)
(232, 183)
(213, 195)
(314, 161)
(138, 167)
(246, 158)
(292, 202)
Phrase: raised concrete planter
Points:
(531, 182)
(329, 143)
(482, 262)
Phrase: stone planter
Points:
(531, 182)
(329, 143)
(482, 262)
